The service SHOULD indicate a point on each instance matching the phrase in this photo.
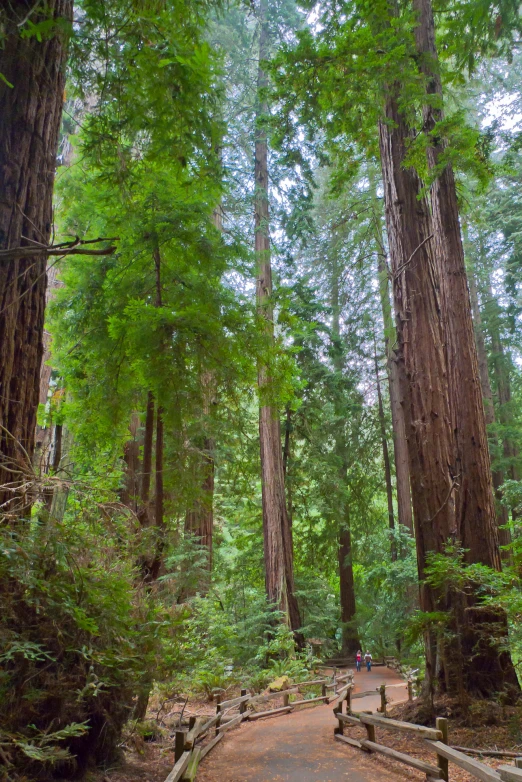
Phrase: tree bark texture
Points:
(400, 444)
(385, 456)
(30, 116)
(504, 535)
(277, 533)
(421, 361)
(474, 504)
(486, 669)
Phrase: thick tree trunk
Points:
(504, 535)
(385, 457)
(276, 526)
(474, 505)
(30, 116)
(453, 501)
(420, 352)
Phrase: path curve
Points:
(300, 747)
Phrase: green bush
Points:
(76, 638)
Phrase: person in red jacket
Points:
(358, 658)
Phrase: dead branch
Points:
(65, 248)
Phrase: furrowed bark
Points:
(474, 505)
(30, 116)
(504, 534)
(486, 667)
(420, 351)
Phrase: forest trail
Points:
(300, 747)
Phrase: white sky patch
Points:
(505, 108)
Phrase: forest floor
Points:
(300, 747)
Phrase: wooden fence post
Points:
(323, 690)
(338, 710)
(286, 699)
(382, 690)
(243, 706)
(441, 723)
(410, 690)
(334, 680)
(179, 746)
(370, 730)
(348, 701)
(218, 712)
(518, 762)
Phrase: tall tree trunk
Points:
(474, 505)
(30, 116)
(350, 640)
(276, 526)
(385, 456)
(420, 352)
(504, 534)
(400, 445)
(453, 501)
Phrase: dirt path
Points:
(300, 747)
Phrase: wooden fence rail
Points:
(188, 749)
(434, 738)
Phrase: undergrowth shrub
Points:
(76, 636)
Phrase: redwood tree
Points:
(486, 668)
(32, 69)
(277, 531)
(420, 349)
(350, 641)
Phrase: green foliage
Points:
(75, 639)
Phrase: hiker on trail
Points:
(368, 661)
(358, 659)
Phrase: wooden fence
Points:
(205, 732)
(434, 738)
